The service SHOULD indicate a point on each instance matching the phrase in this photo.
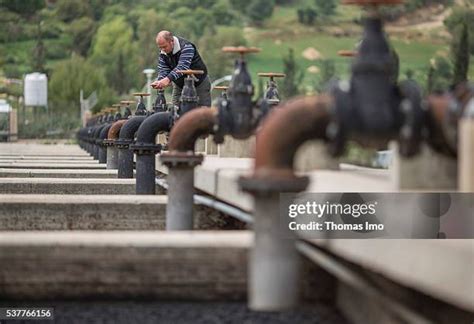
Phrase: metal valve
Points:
(127, 111)
(189, 98)
(236, 115)
(141, 107)
(373, 107)
(271, 93)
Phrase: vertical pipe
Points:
(112, 158)
(179, 211)
(96, 151)
(145, 174)
(102, 154)
(274, 263)
(125, 163)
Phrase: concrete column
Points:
(112, 158)
(275, 262)
(211, 146)
(237, 148)
(466, 155)
(313, 155)
(428, 170)
(179, 212)
(13, 127)
(200, 146)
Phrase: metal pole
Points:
(148, 73)
(179, 212)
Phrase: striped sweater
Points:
(184, 63)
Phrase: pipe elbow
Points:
(115, 129)
(194, 124)
(287, 128)
(152, 126)
(104, 131)
(128, 130)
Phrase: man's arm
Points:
(187, 54)
(163, 68)
(166, 75)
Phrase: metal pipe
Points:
(145, 149)
(95, 136)
(179, 210)
(126, 137)
(181, 162)
(274, 262)
(100, 143)
(207, 201)
(198, 122)
(112, 150)
(224, 208)
(310, 117)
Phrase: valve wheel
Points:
(190, 72)
(373, 2)
(347, 53)
(240, 49)
(141, 94)
(271, 75)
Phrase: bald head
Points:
(165, 41)
(165, 35)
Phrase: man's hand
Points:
(161, 84)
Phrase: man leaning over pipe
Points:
(177, 54)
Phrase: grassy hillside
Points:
(415, 47)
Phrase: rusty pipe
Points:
(301, 119)
(274, 264)
(194, 124)
(181, 161)
(114, 131)
(112, 150)
(443, 114)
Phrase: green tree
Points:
(68, 10)
(193, 23)
(39, 51)
(210, 45)
(461, 16)
(307, 15)
(259, 10)
(460, 56)
(25, 8)
(294, 75)
(82, 31)
(67, 80)
(440, 75)
(114, 42)
(327, 70)
(325, 8)
(149, 25)
(224, 14)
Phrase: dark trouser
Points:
(203, 92)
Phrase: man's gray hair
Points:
(166, 35)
